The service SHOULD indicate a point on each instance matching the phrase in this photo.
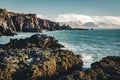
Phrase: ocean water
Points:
(92, 45)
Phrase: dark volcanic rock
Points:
(38, 57)
(106, 69)
(37, 40)
(6, 32)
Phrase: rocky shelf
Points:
(41, 57)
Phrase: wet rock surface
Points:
(38, 57)
(106, 69)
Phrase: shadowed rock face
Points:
(27, 22)
(106, 69)
(6, 31)
(38, 57)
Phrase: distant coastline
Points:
(26, 23)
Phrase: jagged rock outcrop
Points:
(41, 41)
(27, 22)
(106, 69)
(38, 57)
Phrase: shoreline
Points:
(30, 49)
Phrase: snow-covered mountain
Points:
(85, 21)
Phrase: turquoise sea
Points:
(92, 45)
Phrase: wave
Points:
(87, 60)
(86, 57)
(88, 53)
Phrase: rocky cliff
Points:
(27, 22)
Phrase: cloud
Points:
(41, 16)
(73, 17)
(78, 20)
(86, 18)
(83, 18)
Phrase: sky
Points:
(52, 8)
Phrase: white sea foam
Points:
(70, 47)
(87, 52)
(87, 59)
